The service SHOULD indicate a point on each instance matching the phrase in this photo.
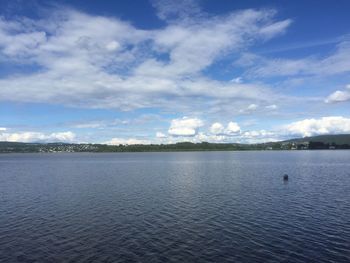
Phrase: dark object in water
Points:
(285, 177)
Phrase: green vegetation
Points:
(310, 143)
(338, 139)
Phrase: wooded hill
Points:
(341, 141)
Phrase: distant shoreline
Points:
(177, 151)
(324, 142)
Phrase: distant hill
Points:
(336, 138)
(322, 142)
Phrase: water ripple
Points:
(175, 207)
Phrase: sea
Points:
(175, 207)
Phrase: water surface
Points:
(175, 207)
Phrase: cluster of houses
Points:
(68, 148)
(289, 146)
(306, 145)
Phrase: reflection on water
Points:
(179, 207)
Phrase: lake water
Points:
(175, 207)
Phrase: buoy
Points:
(285, 177)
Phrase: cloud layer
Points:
(73, 60)
(37, 137)
(336, 62)
(206, 67)
(194, 130)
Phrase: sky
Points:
(122, 72)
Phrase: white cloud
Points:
(38, 137)
(339, 95)
(307, 127)
(184, 130)
(271, 107)
(62, 136)
(237, 80)
(185, 126)
(3, 129)
(80, 63)
(89, 125)
(251, 108)
(192, 48)
(217, 128)
(232, 128)
(275, 29)
(181, 10)
(112, 46)
(99, 124)
(335, 63)
(161, 135)
(324, 125)
(216, 138)
(126, 141)
(258, 136)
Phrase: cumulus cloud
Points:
(213, 138)
(339, 95)
(75, 61)
(3, 129)
(38, 137)
(217, 128)
(232, 128)
(307, 127)
(253, 136)
(185, 126)
(325, 125)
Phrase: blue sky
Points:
(167, 71)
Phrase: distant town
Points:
(324, 142)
